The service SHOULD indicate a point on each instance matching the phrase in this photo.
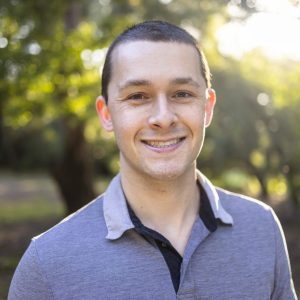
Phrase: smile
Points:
(163, 144)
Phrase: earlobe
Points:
(209, 106)
(104, 114)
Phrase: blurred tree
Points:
(238, 137)
(282, 104)
(49, 56)
(48, 93)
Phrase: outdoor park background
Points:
(54, 157)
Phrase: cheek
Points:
(195, 116)
(126, 125)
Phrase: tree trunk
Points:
(74, 173)
(264, 194)
(295, 197)
(294, 189)
(261, 177)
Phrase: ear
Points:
(209, 105)
(103, 114)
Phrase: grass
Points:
(30, 210)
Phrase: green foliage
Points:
(44, 81)
(49, 70)
(49, 79)
(278, 79)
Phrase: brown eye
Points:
(182, 94)
(138, 96)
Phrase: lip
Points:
(164, 146)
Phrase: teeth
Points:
(161, 144)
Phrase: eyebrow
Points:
(131, 83)
(175, 81)
(185, 80)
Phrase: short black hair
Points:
(156, 31)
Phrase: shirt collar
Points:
(115, 210)
(212, 194)
(116, 213)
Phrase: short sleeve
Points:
(29, 282)
(283, 285)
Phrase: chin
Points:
(166, 173)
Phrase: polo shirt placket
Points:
(172, 258)
(187, 288)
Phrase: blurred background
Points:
(54, 157)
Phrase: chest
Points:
(133, 268)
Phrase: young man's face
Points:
(158, 108)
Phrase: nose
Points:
(162, 113)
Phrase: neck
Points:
(169, 207)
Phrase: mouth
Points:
(163, 144)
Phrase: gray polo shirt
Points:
(96, 254)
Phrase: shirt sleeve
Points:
(29, 281)
(283, 285)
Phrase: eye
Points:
(137, 96)
(182, 94)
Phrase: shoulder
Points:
(238, 203)
(53, 256)
(84, 224)
(255, 226)
(258, 227)
(248, 211)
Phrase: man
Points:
(161, 230)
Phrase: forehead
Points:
(155, 61)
